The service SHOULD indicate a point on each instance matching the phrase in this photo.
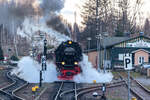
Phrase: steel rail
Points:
(17, 84)
(58, 92)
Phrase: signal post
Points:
(44, 66)
(128, 67)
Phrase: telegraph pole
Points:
(98, 36)
(104, 58)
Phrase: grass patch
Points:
(135, 74)
(114, 73)
(113, 98)
(116, 99)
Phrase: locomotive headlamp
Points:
(76, 63)
(63, 63)
(70, 42)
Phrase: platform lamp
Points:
(89, 39)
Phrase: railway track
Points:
(98, 88)
(137, 89)
(8, 92)
(64, 86)
(69, 91)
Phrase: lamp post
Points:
(105, 35)
(44, 66)
(89, 39)
(99, 52)
(45, 47)
(9, 55)
(44, 56)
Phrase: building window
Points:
(141, 60)
(121, 56)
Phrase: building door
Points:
(141, 60)
(140, 56)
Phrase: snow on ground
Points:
(89, 73)
(28, 69)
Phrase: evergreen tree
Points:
(91, 22)
(147, 26)
(14, 58)
(76, 32)
(1, 54)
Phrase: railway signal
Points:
(103, 90)
(44, 66)
(44, 63)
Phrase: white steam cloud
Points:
(31, 27)
(89, 73)
(29, 71)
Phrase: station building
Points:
(114, 49)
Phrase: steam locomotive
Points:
(67, 58)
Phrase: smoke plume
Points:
(13, 12)
(49, 6)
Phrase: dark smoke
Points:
(54, 21)
(57, 24)
(12, 15)
(49, 6)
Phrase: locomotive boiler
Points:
(67, 58)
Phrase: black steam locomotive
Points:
(68, 55)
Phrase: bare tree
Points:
(129, 13)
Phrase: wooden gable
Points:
(140, 41)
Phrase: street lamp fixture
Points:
(89, 38)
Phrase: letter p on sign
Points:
(127, 63)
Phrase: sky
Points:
(73, 5)
(146, 8)
(70, 7)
